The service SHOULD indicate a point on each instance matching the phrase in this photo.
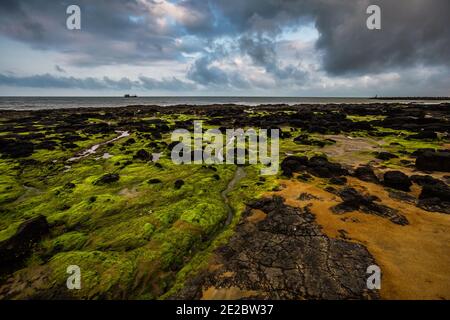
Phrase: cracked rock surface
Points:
(353, 200)
(285, 256)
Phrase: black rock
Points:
(129, 142)
(424, 135)
(365, 173)
(385, 156)
(338, 180)
(435, 197)
(47, 144)
(304, 177)
(293, 164)
(353, 200)
(16, 148)
(306, 140)
(434, 161)
(179, 184)
(440, 191)
(320, 167)
(426, 180)
(421, 151)
(142, 155)
(397, 180)
(107, 179)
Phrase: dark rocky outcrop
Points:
(424, 135)
(353, 200)
(385, 156)
(107, 179)
(293, 164)
(304, 196)
(365, 173)
(421, 151)
(129, 142)
(425, 180)
(435, 197)
(178, 184)
(402, 196)
(286, 256)
(309, 141)
(142, 155)
(434, 161)
(318, 166)
(11, 148)
(338, 180)
(14, 250)
(397, 180)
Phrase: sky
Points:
(312, 48)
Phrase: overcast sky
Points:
(225, 47)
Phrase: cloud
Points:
(90, 83)
(205, 38)
(59, 69)
(112, 31)
(263, 53)
(168, 84)
(206, 74)
(413, 32)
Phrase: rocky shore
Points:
(358, 185)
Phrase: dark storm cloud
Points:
(90, 83)
(414, 32)
(205, 73)
(112, 31)
(263, 53)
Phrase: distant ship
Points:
(130, 96)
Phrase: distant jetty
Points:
(410, 98)
(130, 96)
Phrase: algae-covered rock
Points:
(15, 249)
(107, 179)
(142, 155)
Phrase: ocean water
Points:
(39, 103)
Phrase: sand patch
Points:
(256, 216)
(232, 293)
(351, 150)
(414, 259)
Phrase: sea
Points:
(43, 103)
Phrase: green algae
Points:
(130, 238)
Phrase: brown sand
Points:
(414, 259)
